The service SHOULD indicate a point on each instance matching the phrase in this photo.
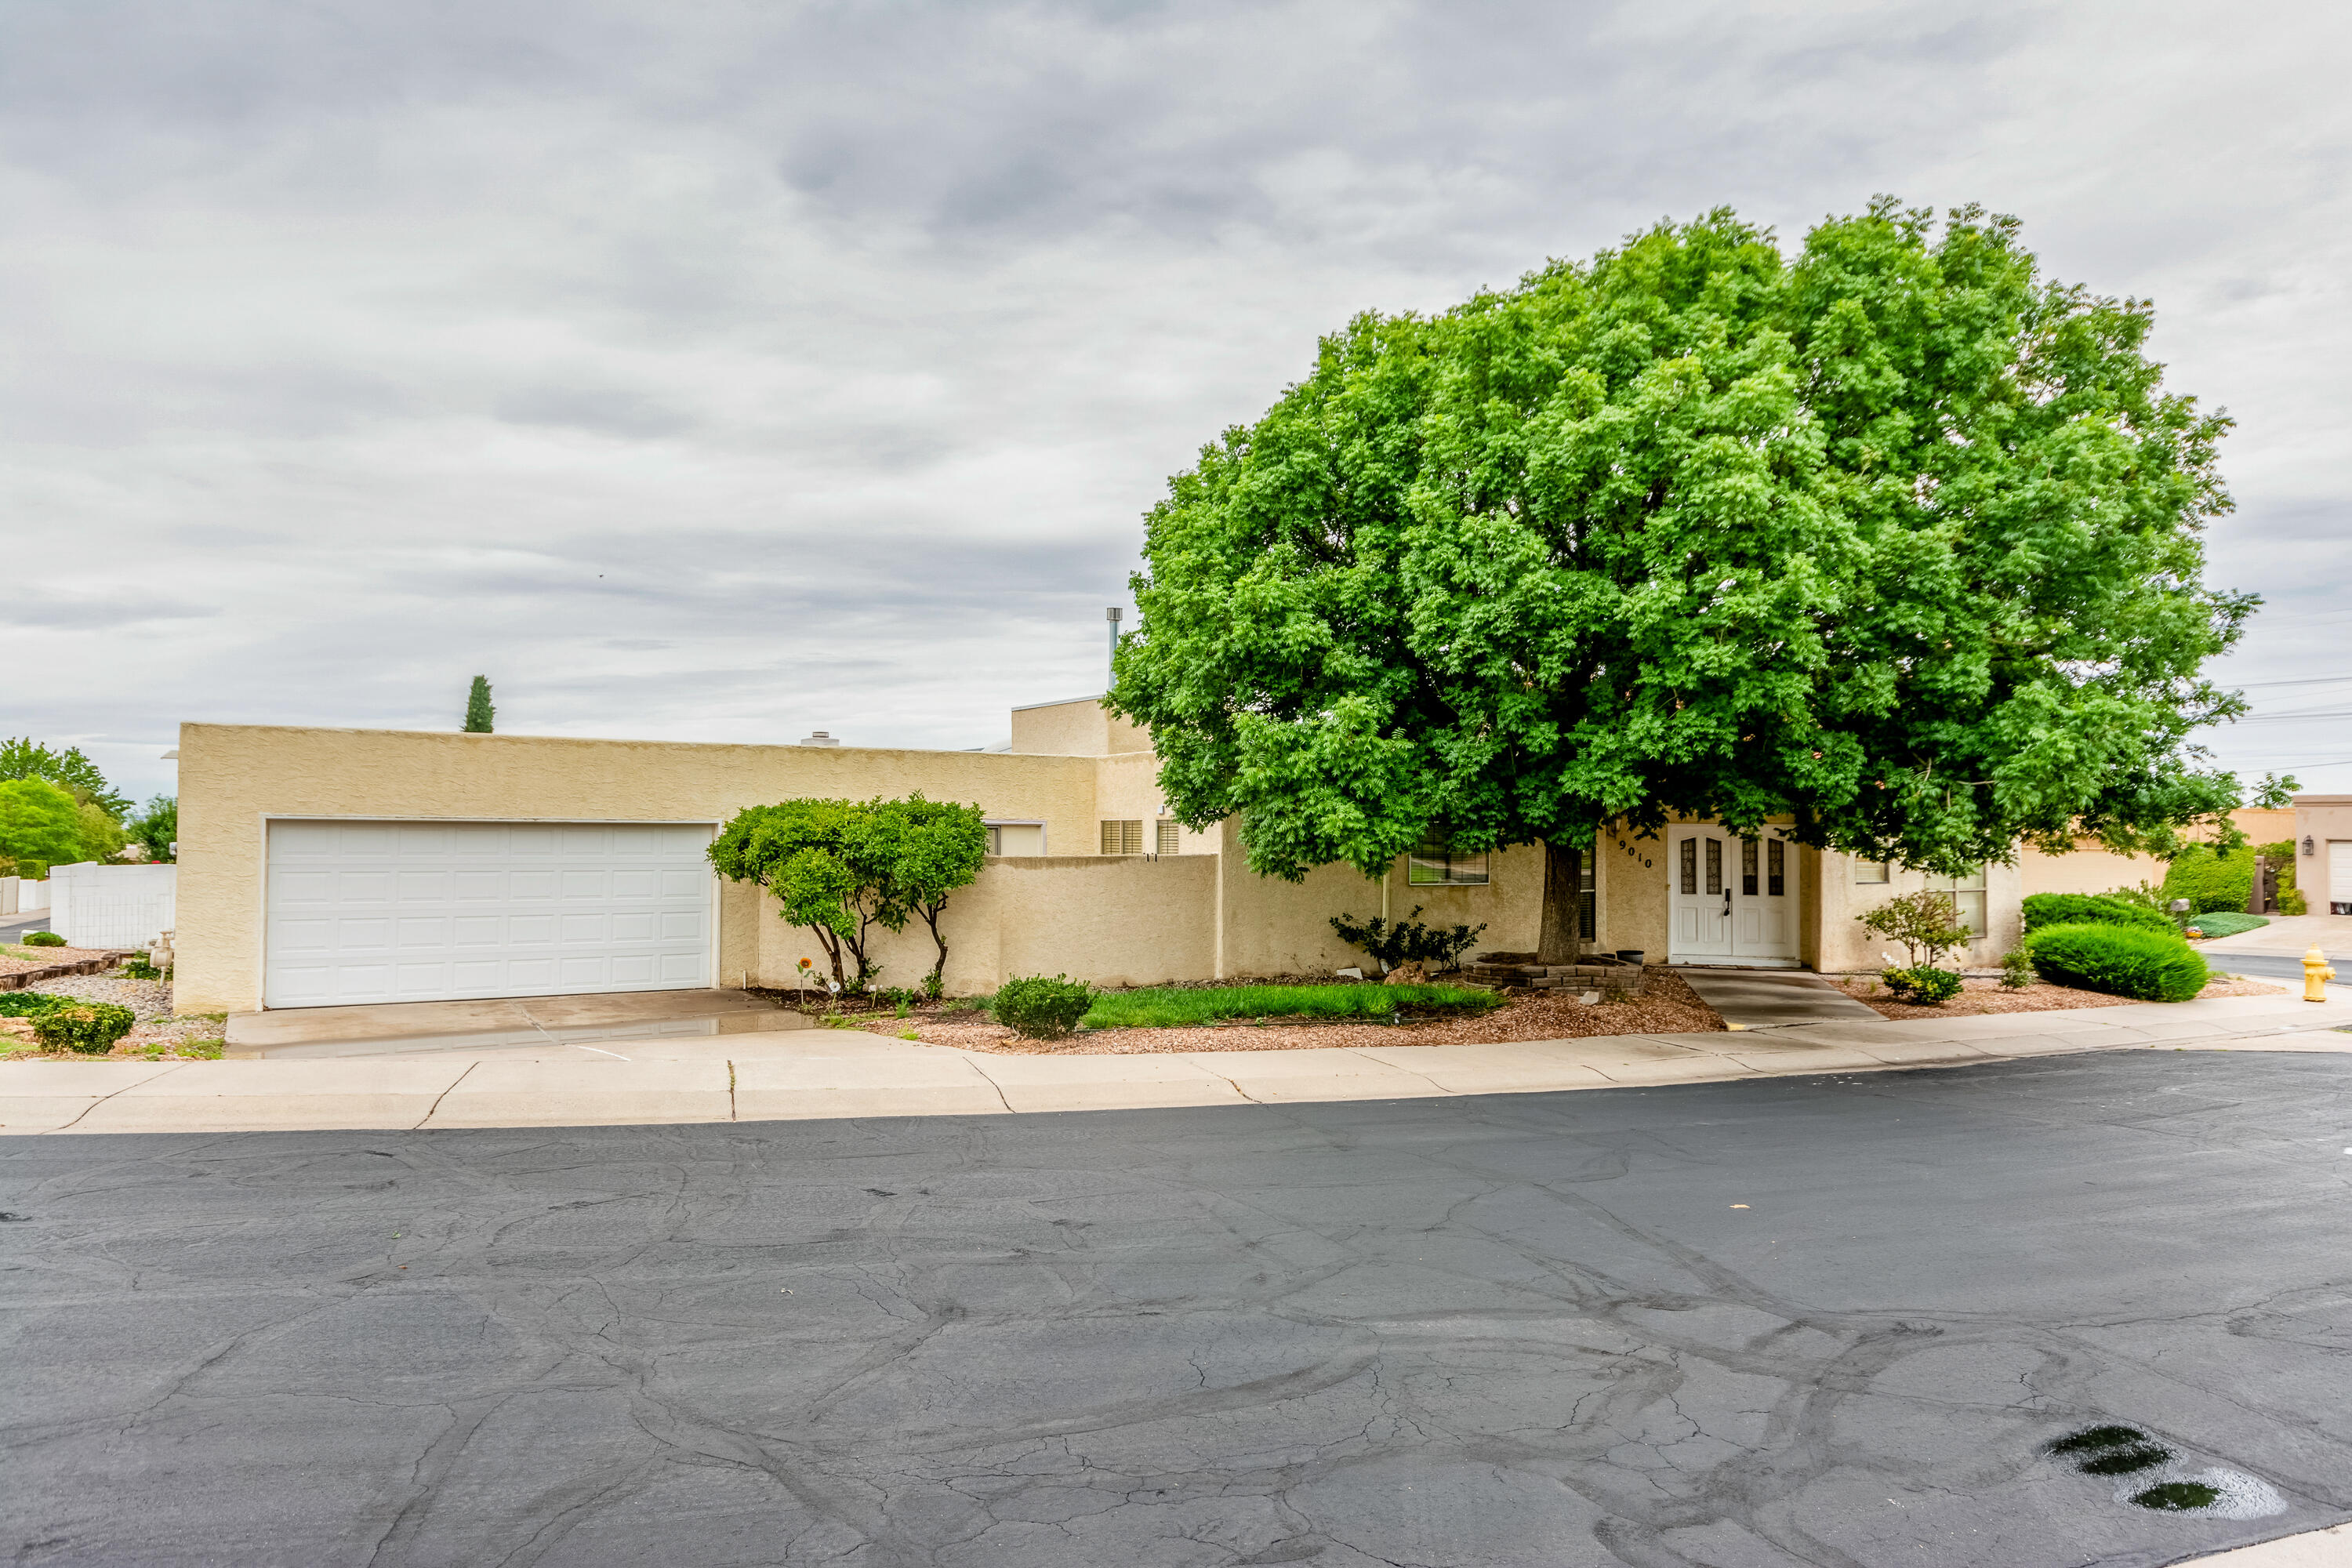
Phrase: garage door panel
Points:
(411, 912)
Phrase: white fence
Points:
(95, 905)
(22, 896)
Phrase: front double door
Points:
(1733, 900)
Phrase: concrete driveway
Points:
(1803, 1321)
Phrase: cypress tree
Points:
(479, 711)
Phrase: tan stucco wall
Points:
(232, 778)
(2086, 869)
(1127, 789)
(1111, 920)
(1846, 947)
(1081, 727)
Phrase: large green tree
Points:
(25, 758)
(40, 826)
(1892, 536)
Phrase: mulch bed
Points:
(1985, 995)
(1668, 1007)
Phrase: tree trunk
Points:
(1562, 940)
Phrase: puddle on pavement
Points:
(2156, 1477)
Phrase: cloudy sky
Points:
(720, 371)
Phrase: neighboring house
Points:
(2323, 852)
(2091, 868)
(322, 867)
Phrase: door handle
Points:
(1726, 901)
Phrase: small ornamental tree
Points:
(1892, 536)
(40, 826)
(935, 847)
(479, 714)
(843, 868)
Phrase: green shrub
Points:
(89, 1027)
(2016, 969)
(1407, 941)
(2122, 960)
(29, 1004)
(43, 938)
(1923, 983)
(2043, 909)
(136, 967)
(1041, 1009)
(2210, 881)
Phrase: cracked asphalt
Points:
(1740, 1325)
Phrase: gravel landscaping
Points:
(156, 1033)
(1980, 995)
(16, 959)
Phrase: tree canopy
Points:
(40, 826)
(25, 758)
(843, 868)
(1893, 536)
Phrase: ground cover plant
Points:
(2228, 923)
(2042, 910)
(2122, 960)
(1178, 1006)
(43, 938)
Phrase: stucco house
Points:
(323, 867)
(2323, 852)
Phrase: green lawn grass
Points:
(1174, 1006)
(2226, 922)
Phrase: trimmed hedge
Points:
(2122, 960)
(41, 939)
(1039, 1008)
(89, 1028)
(2091, 909)
(2211, 881)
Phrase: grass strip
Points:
(1176, 1006)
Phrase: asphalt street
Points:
(1830, 1321)
(2271, 965)
(14, 928)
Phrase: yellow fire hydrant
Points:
(2316, 975)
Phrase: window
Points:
(1438, 865)
(1715, 866)
(1014, 837)
(1776, 868)
(1690, 864)
(1170, 838)
(1869, 871)
(1587, 900)
(1122, 838)
(1747, 868)
(1967, 894)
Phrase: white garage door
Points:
(421, 912)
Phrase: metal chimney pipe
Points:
(1112, 615)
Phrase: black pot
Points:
(1632, 955)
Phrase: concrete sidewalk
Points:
(802, 1073)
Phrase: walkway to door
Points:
(1766, 999)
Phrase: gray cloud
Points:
(718, 373)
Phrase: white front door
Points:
(1732, 900)
(427, 912)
